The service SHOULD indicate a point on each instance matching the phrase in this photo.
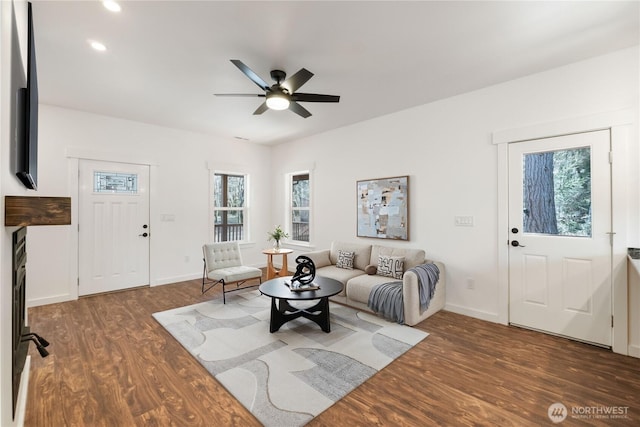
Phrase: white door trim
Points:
(620, 123)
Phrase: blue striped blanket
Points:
(386, 298)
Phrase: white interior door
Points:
(113, 226)
(560, 241)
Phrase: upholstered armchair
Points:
(223, 264)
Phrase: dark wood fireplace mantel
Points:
(34, 210)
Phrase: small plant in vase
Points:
(277, 235)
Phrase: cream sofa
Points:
(358, 284)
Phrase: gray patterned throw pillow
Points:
(345, 259)
(390, 266)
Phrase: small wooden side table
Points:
(271, 270)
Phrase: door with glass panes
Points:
(560, 236)
(114, 228)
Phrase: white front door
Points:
(560, 247)
(113, 226)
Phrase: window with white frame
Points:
(299, 213)
(229, 207)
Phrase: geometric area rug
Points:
(287, 377)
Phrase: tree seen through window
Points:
(557, 192)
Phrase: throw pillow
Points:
(345, 259)
(371, 269)
(390, 266)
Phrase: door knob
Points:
(145, 226)
(143, 234)
(514, 230)
(515, 243)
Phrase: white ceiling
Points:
(166, 59)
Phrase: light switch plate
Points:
(463, 221)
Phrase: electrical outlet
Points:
(186, 258)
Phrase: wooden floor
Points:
(111, 365)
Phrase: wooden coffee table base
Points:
(282, 312)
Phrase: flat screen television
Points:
(27, 145)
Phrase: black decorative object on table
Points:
(305, 271)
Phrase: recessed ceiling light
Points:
(97, 46)
(112, 5)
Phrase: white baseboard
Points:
(478, 314)
(21, 404)
(176, 279)
(634, 350)
(155, 282)
(51, 300)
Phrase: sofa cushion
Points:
(340, 274)
(345, 259)
(371, 269)
(412, 257)
(361, 256)
(390, 266)
(360, 287)
(235, 274)
(319, 258)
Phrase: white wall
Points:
(445, 147)
(179, 187)
(12, 77)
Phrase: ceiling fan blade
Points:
(315, 97)
(248, 95)
(261, 109)
(299, 109)
(297, 80)
(249, 73)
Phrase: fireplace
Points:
(21, 334)
(19, 346)
(23, 211)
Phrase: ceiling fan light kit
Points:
(278, 101)
(282, 96)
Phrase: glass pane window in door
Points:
(557, 192)
(113, 182)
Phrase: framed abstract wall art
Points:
(383, 208)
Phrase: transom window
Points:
(113, 182)
(229, 207)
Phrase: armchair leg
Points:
(204, 282)
(211, 285)
(204, 274)
(224, 294)
(224, 284)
